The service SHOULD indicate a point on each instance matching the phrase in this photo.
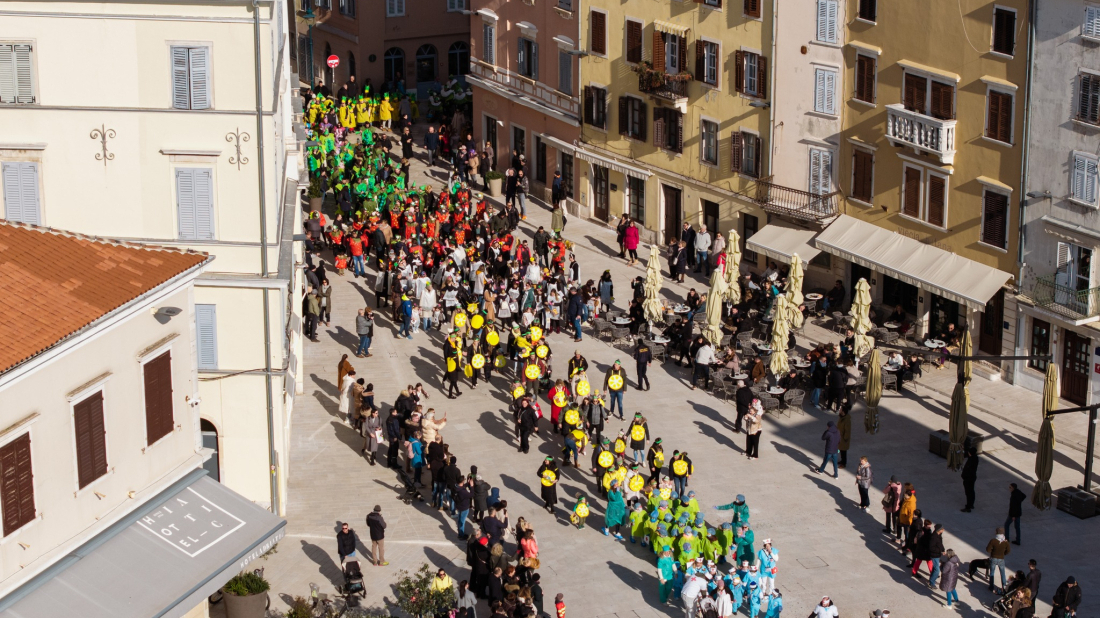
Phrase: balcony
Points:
(779, 200)
(1065, 300)
(662, 85)
(925, 133)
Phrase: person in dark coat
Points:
(744, 400)
(969, 476)
(393, 434)
(528, 423)
(680, 261)
(496, 586)
(838, 381)
(480, 567)
(1066, 598)
(832, 448)
(549, 473)
(1034, 576)
(1015, 510)
(377, 527)
(643, 358)
(346, 541)
(481, 497)
(949, 568)
(687, 237)
(819, 375)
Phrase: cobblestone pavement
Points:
(826, 544)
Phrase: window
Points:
(595, 106)
(347, 7)
(567, 174)
(911, 192)
(395, 8)
(1040, 344)
(995, 219)
(190, 77)
(940, 103)
(635, 189)
(715, 3)
(1084, 184)
(821, 171)
(863, 175)
(868, 9)
(826, 21)
(488, 34)
(16, 73)
(710, 216)
(1074, 274)
(706, 62)
(458, 58)
(1091, 27)
(998, 122)
(633, 41)
(1088, 107)
(528, 58)
(324, 4)
(668, 129)
(91, 439)
(865, 78)
(519, 139)
(426, 62)
(943, 101)
(708, 132)
(750, 73)
(825, 91)
(745, 153)
(937, 200)
(393, 64)
(675, 50)
(565, 73)
(456, 5)
(540, 160)
(565, 5)
(597, 21)
(752, 8)
(924, 196)
(195, 202)
(16, 484)
(632, 120)
(206, 335)
(21, 202)
(351, 64)
(159, 420)
(1004, 31)
(749, 225)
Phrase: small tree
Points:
(416, 597)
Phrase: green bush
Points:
(246, 584)
(315, 187)
(300, 608)
(415, 595)
(494, 175)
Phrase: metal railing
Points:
(932, 135)
(662, 85)
(1065, 300)
(780, 200)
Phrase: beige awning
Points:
(670, 28)
(931, 268)
(779, 241)
(612, 164)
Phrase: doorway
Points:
(710, 217)
(944, 311)
(210, 440)
(992, 324)
(673, 206)
(490, 135)
(897, 292)
(519, 140)
(1075, 368)
(601, 191)
(426, 59)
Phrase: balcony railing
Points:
(663, 85)
(932, 135)
(780, 200)
(1065, 300)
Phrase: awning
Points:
(779, 241)
(160, 561)
(612, 164)
(670, 28)
(931, 268)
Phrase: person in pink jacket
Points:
(630, 241)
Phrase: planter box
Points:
(315, 203)
(494, 187)
(254, 606)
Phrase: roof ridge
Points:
(98, 239)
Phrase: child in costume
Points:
(637, 523)
(755, 599)
(580, 512)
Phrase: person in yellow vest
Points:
(385, 112)
(615, 384)
(639, 435)
(549, 474)
(656, 460)
(580, 512)
(681, 471)
(361, 112)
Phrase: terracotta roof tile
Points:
(56, 283)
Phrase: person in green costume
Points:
(744, 539)
(637, 522)
(739, 508)
(666, 571)
(616, 511)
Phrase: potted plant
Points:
(246, 596)
(315, 195)
(495, 179)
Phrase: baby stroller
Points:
(411, 490)
(1003, 604)
(353, 583)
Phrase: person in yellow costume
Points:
(580, 512)
(385, 112)
(361, 112)
(549, 474)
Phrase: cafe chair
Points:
(794, 400)
(890, 380)
(659, 350)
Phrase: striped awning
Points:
(670, 28)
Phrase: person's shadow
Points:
(326, 566)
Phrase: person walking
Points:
(557, 190)
(754, 429)
(346, 542)
(1066, 599)
(461, 499)
(643, 358)
(832, 448)
(844, 426)
(639, 435)
(631, 237)
(549, 474)
(864, 479)
(615, 384)
(949, 568)
(313, 315)
(891, 506)
(998, 548)
(969, 476)
(377, 527)
(704, 358)
(616, 512)
(1015, 509)
(364, 327)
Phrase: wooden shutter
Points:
(943, 101)
(640, 109)
(599, 99)
(999, 124)
(181, 89)
(633, 41)
(937, 192)
(865, 78)
(683, 44)
(599, 32)
(185, 203)
(589, 106)
(761, 77)
(915, 90)
(206, 330)
(678, 142)
(1004, 31)
(659, 138)
(658, 50)
(7, 73)
(757, 152)
(16, 484)
(204, 204)
(91, 439)
(534, 61)
(1092, 22)
(199, 75)
(1084, 179)
(823, 21)
(862, 175)
(1089, 107)
(911, 195)
(996, 215)
(700, 61)
(21, 202)
(737, 150)
(739, 70)
(752, 8)
(624, 115)
(159, 419)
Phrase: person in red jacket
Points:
(355, 247)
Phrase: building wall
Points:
(39, 398)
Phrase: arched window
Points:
(351, 65)
(392, 64)
(458, 58)
(426, 59)
(210, 440)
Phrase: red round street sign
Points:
(333, 61)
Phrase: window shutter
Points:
(521, 57)
(659, 127)
(1092, 22)
(867, 9)
(679, 142)
(204, 204)
(91, 439)
(642, 120)
(1004, 31)
(996, 214)
(24, 85)
(1079, 177)
(739, 71)
(757, 155)
(915, 89)
(7, 73)
(658, 51)
(700, 60)
(565, 72)
(865, 79)
(206, 330)
(633, 41)
(185, 202)
(600, 101)
(181, 89)
(822, 20)
(1063, 257)
(830, 92)
(199, 65)
(16, 484)
(159, 420)
(831, 20)
(815, 170)
(599, 32)
(737, 149)
(1000, 117)
(589, 106)
(862, 175)
(624, 116)
(819, 90)
(1089, 110)
(936, 194)
(761, 77)
(21, 202)
(911, 197)
(683, 57)
(943, 97)
(534, 60)
(752, 8)
(1091, 173)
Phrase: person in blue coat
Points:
(775, 605)
(755, 598)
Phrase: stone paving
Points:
(826, 544)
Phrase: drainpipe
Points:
(771, 86)
(1024, 174)
(263, 256)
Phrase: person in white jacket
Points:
(693, 588)
(428, 301)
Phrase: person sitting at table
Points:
(702, 306)
(816, 353)
(758, 372)
(772, 272)
(895, 361)
(735, 318)
(897, 316)
(788, 381)
(848, 343)
(874, 316)
(696, 343)
(835, 298)
(911, 370)
(692, 301)
(950, 336)
(731, 361)
(636, 315)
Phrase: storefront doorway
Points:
(672, 212)
(945, 311)
(897, 292)
(992, 324)
(601, 192)
(1075, 367)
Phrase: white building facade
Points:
(144, 122)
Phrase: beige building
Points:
(101, 480)
(174, 143)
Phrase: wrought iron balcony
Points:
(932, 135)
(1065, 300)
(794, 203)
(660, 84)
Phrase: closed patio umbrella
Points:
(960, 402)
(874, 391)
(1044, 456)
(794, 292)
(713, 329)
(861, 323)
(733, 268)
(780, 332)
(653, 282)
